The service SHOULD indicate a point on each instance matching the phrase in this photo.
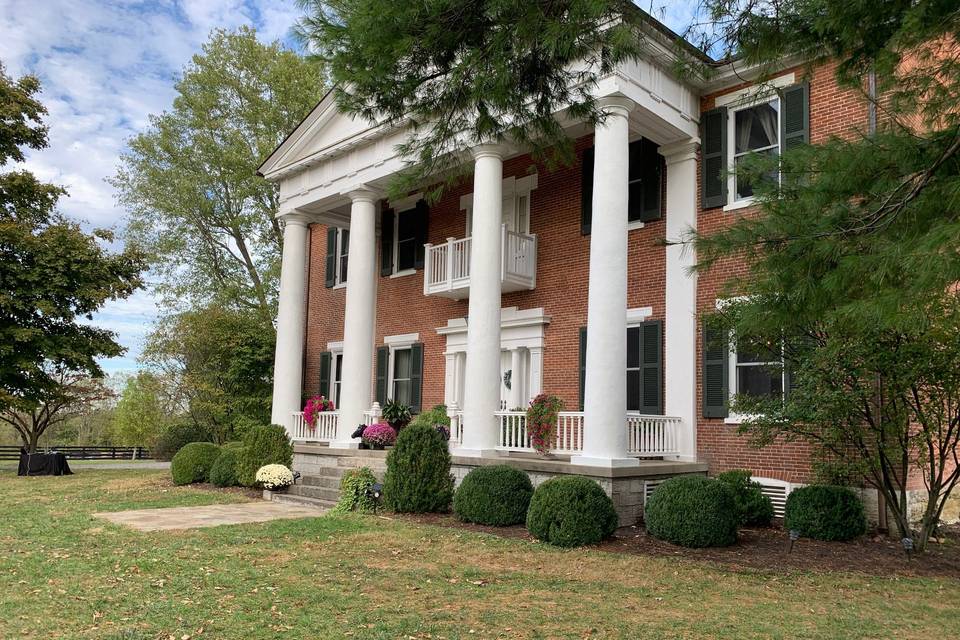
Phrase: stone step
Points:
(290, 498)
(354, 462)
(319, 493)
(330, 482)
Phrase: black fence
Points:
(85, 453)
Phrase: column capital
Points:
(295, 218)
(363, 193)
(680, 151)
(490, 150)
(616, 105)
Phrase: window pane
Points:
(757, 127)
(756, 351)
(339, 367)
(401, 391)
(343, 268)
(407, 226)
(633, 347)
(635, 201)
(344, 241)
(401, 364)
(759, 380)
(406, 254)
(633, 390)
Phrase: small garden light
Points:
(375, 493)
(794, 536)
(296, 476)
(907, 546)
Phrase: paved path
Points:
(207, 516)
(96, 464)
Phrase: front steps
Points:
(319, 485)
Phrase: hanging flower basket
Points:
(315, 406)
(542, 415)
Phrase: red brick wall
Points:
(833, 112)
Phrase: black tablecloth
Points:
(43, 464)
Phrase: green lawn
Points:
(64, 574)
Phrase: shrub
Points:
(570, 511)
(378, 436)
(435, 416)
(824, 512)
(418, 476)
(263, 445)
(693, 511)
(176, 436)
(396, 414)
(193, 462)
(498, 495)
(542, 422)
(755, 509)
(274, 476)
(354, 487)
(224, 470)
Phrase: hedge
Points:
(224, 470)
(825, 512)
(193, 462)
(498, 495)
(263, 445)
(754, 508)
(692, 511)
(570, 511)
(418, 476)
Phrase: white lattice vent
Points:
(777, 491)
(649, 486)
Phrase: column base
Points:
(475, 453)
(592, 461)
(345, 444)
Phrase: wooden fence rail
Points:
(85, 453)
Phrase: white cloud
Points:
(105, 66)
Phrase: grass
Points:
(64, 574)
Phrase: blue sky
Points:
(106, 65)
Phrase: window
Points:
(756, 129)
(338, 245)
(343, 247)
(758, 369)
(404, 233)
(401, 378)
(400, 370)
(405, 242)
(335, 379)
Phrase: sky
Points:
(105, 66)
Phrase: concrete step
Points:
(330, 482)
(319, 493)
(290, 498)
(355, 462)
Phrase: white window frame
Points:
(342, 251)
(400, 207)
(635, 318)
(396, 343)
(520, 189)
(336, 352)
(732, 365)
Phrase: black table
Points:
(43, 464)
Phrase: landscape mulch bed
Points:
(766, 550)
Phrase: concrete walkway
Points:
(119, 464)
(207, 516)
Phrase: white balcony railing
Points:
(647, 436)
(447, 265)
(324, 430)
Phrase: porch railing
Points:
(647, 436)
(447, 265)
(324, 430)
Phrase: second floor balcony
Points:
(447, 265)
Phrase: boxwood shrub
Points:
(692, 511)
(224, 470)
(498, 495)
(193, 462)
(418, 476)
(825, 512)
(263, 445)
(570, 511)
(176, 436)
(755, 509)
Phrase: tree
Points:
(852, 256)
(189, 182)
(462, 73)
(143, 411)
(220, 365)
(72, 394)
(52, 274)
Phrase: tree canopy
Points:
(53, 276)
(189, 183)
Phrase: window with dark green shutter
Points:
(416, 376)
(404, 236)
(795, 120)
(644, 183)
(586, 191)
(386, 243)
(383, 361)
(716, 353)
(330, 277)
(325, 361)
(713, 158)
(644, 367)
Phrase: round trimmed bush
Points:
(571, 511)
(692, 511)
(418, 476)
(263, 445)
(224, 470)
(498, 495)
(176, 436)
(825, 512)
(755, 509)
(193, 462)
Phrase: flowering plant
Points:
(378, 436)
(274, 476)
(542, 417)
(314, 406)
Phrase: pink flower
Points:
(314, 406)
(379, 435)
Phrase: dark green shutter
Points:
(416, 376)
(386, 243)
(651, 181)
(795, 124)
(583, 362)
(651, 367)
(423, 222)
(715, 376)
(713, 158)
(383, 360)
(586, 191)
(325, 360)
(331, 258)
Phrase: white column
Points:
(359, 317)
(536, 372)
(680, 344)
(516, 378)
(605, 393)
(482, 384)
(291, 314)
